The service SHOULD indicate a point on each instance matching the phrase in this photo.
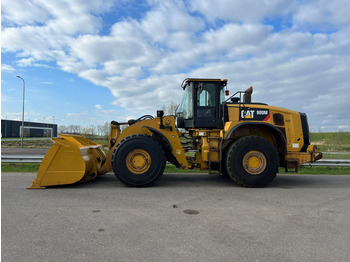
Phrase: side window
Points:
(206, 95)
(203, 98)
(222, 95)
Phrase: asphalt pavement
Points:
(184, 217)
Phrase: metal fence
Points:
(21, 158)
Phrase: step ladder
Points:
(210, 140)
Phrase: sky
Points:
(86, 62)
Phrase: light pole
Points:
(22, 134)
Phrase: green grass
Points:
(332, 141)
(20, 167)
(169, 168)
(341, 156)
(33, 168)
(104, 142)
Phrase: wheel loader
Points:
(231, 135)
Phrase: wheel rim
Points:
(138, 161)
(254, 162)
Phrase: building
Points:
(13, 128)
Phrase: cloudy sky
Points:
(90, 61)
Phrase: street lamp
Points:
(22, 134)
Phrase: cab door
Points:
(207, 105)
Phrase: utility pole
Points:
(22, 134)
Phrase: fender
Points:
(276, 132)
(165, 144)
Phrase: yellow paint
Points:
(71, 159)
(254, 162)
(138, 161)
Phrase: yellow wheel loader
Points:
(236, 137)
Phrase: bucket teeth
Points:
(36, 185)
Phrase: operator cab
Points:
(202, 104)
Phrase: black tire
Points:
(138, 160)
(251, 161)
(223, 163)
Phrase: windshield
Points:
(186, 107)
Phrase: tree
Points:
(170, 109)
(75, 129)
(62, 129)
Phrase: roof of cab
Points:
(188, 80)
(204, 80)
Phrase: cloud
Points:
(46, 28)
(77, 115)
(248, 11)
(98, 107)
(13, 13)
(7, 68)
(109, 113)
(323, 15)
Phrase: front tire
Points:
(138, 160)
(251, 161)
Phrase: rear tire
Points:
(251, 161)
(138, 160)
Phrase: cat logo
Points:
(254, 114)
(247, 114)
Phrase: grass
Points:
(316, 170)
(331, 141)
(20, 167)
(331, 156)
(169, 168)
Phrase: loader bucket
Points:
(71, 159)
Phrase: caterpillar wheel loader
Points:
(241, 139)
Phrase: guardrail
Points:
(25, 139)
(39, 158)
(21, 158)
(330, 162)
(336, 153)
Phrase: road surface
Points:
(185, 217)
